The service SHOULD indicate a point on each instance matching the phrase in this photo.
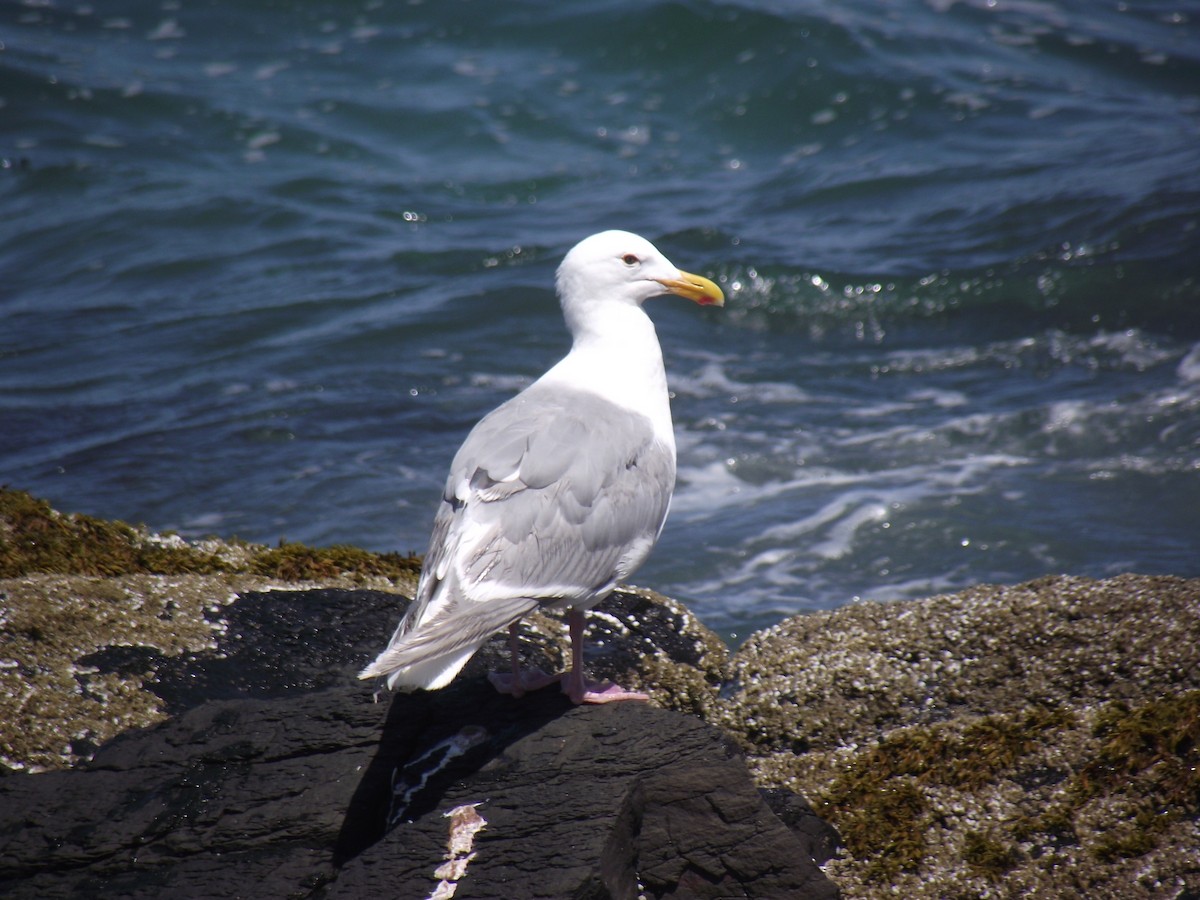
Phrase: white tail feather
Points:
(430, 674)
(431, 655)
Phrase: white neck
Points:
(616, 354)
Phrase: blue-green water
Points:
(263, 264)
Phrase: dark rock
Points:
(294, 797)
(108, 627)
(278, 642)
(229, 794)
(277, 771)
(821, 840)
(611, 801)
(89, 657)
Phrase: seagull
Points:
(562, 491)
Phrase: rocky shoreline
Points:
(1039, 739)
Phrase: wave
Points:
(1080, 289)
(919, 485)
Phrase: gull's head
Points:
(616, 266)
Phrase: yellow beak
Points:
(696, 288)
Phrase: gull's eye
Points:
(630, 260)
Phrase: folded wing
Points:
(552, 499)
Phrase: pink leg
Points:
(519, 681)
(576, 686)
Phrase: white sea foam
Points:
(713, 381)
(816, 518)
(923, 398)
(1189, 367)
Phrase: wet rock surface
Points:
(615, 801)
(324, 793)
(275, 768)
(1040, 739)
(90, 657)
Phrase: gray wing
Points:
(554, 497)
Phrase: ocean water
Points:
(262, 265)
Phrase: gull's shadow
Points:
(430, 740)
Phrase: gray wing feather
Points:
(547, 498)
(552, 498)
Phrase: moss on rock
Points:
(35, 538)
(72, 585)
(38, 539)
(1037, 739)
(298, 562)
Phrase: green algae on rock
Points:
(298, 562)
(72, 585)
(1037, 739)
(77, 588)
(35, 538)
